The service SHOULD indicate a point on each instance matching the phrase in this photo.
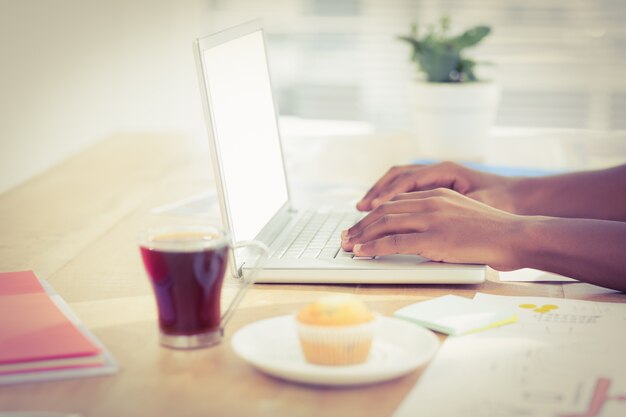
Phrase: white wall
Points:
(74, 71)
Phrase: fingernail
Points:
(344, 234)
(375, 202)
(357, 248)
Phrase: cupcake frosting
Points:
(335, 310)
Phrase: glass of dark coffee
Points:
(186, 266)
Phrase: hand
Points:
(491, 189)
(441, 225)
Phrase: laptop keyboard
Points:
(317, 235)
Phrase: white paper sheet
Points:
(532, 275)
(568, 359)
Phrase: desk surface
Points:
(76, 227)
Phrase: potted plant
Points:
(455, 110)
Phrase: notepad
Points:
(40, 338)
(455, 315)
(32, 328)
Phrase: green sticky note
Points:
(456, 315)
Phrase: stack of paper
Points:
(455, 315)
(564, 358)
(40, 339)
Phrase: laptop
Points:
(252, 183)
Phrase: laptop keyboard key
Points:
(328, 253)
(317, 235)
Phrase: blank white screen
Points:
(246, 132)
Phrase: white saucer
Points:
(272, 346)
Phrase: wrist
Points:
(513, 248)
(523, 195)
(532, 240)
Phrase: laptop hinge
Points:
(275, 226)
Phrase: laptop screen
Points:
(246, 132)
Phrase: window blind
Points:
(559, 62)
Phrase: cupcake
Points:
(336, 330)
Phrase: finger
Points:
(391, 207)
(390, 224)
(420, 178)
(417, 195)
(401, 184)
(408, 243)
(365, 204)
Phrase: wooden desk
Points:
(76, 227)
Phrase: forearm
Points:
(593, 251)
(592, 194)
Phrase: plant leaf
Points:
(466, 69)
(417, 45)
(466, 65)
(470, 37)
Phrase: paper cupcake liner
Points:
(336, 345)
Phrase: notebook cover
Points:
(32, 328)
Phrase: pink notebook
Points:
(32, 328)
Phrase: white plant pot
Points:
(453, 120)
